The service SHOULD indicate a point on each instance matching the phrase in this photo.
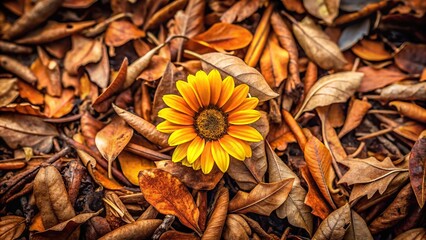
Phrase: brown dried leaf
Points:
(236, 228)
(318, 160)
(294, 208)
(335, 225)
(175, 235)
(30, 93)
(14, 66)
(404, 91)
(11, 227)
(84, 51)
(194, 179)
(377, 78)
(142, 229)
(417, 166)
(145, 128)
(263, 199)
(164, 14)
(64, 229)
(61, 106)
(99, 72)
(51, 197)
(238, 69)
(155, 69)
(23, 108)
(410, 110)
(318, 45)
(412, 58)
(120, 32)
(273, 62)
(358, 230)
(330, 89)
(241, 10)
(357, 110)
(395, 212)
(54, 31)
(112, 139)
(169, 196)
(327, 10)
(224, 36)
(8, 91)
(218, 216)
(413, 234)
(294, 5)
(371, 50)
(26, 131)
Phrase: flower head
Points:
(209, 121)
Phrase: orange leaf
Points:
(357, 110)
(58, 107)
(169, 196)
(30, 93)
(120, 32)
(378, 78)
(273, 62)
(132, 164)
(371, 50)
(410, 110)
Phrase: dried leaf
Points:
(273, 62)
(377, 78)
(395, 212)
(371, 50)
(241, 10)
(218, 216)
(417, 168)
(142, 229)
(8, 91)
(169, 196)
(145, 128)
(23, 108)
(30, 93)
(335, 225)
(330, 89)
(175, 235)
(11, 227)
(58, 107)
(26, 131)
(235, 67)
(358, 230)
(99, 73)
(327, 10)
(236, 228)
(318, 45)
(353, 33)
(318, 160)
(120, 32)
(112, 139)
(404, 91)
(132, 164)
(410, 110)
(357, 110)
(165, 14)
(155, 69)
(83, 52)
(413, 234)
(17, 68)
(51, 197)
(294, 208)
(224, 36)
(263, 199)
(412, 58)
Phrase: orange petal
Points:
(206, 158)
(215, 81)
(197, 164)
(175, 117)
(168, 127)
(203, 87)
(232, 147)
(178, 103)
(180, 152)
(226, 90)
(220, 156)
(243, 117)
(195, 149)
(245, 133)
(240, 93)
(188, 94)
(248, 103)
(182, 136)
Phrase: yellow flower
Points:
(209, 121)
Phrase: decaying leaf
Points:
(263, 199)
(335, 225)
(412, 58)
(169, 196)
(58, 107)
(120, 32)
(11, 227)
(417, 166)
(235, 67)
(330, 89)
(241, 10)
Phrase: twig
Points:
(64, 119)
(164, 226)
(358, 150)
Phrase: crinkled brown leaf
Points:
(417, 169)
(236, 228)
(99, 72)
(263, 199)
(335, 225)
(11, 227)
(169, 196)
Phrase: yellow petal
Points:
(192, 80)
(195, 149)
(178, 103)
(175, 117)
(168, 127)
(232, 147)
(246, 146)
(245, 133)
(226, 90)
(248, 103)
(183, 135)
(220, 156)
(203, 87)
(186, 163)
(206, 158)
(215, 81)
(243, 117)
(180, 152)
(238, 96)
(188, 94)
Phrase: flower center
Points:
(211, 123)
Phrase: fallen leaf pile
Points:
(341, 87)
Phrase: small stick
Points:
(358, 150)
(164, 226)
(64, 119)
(375, 134)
